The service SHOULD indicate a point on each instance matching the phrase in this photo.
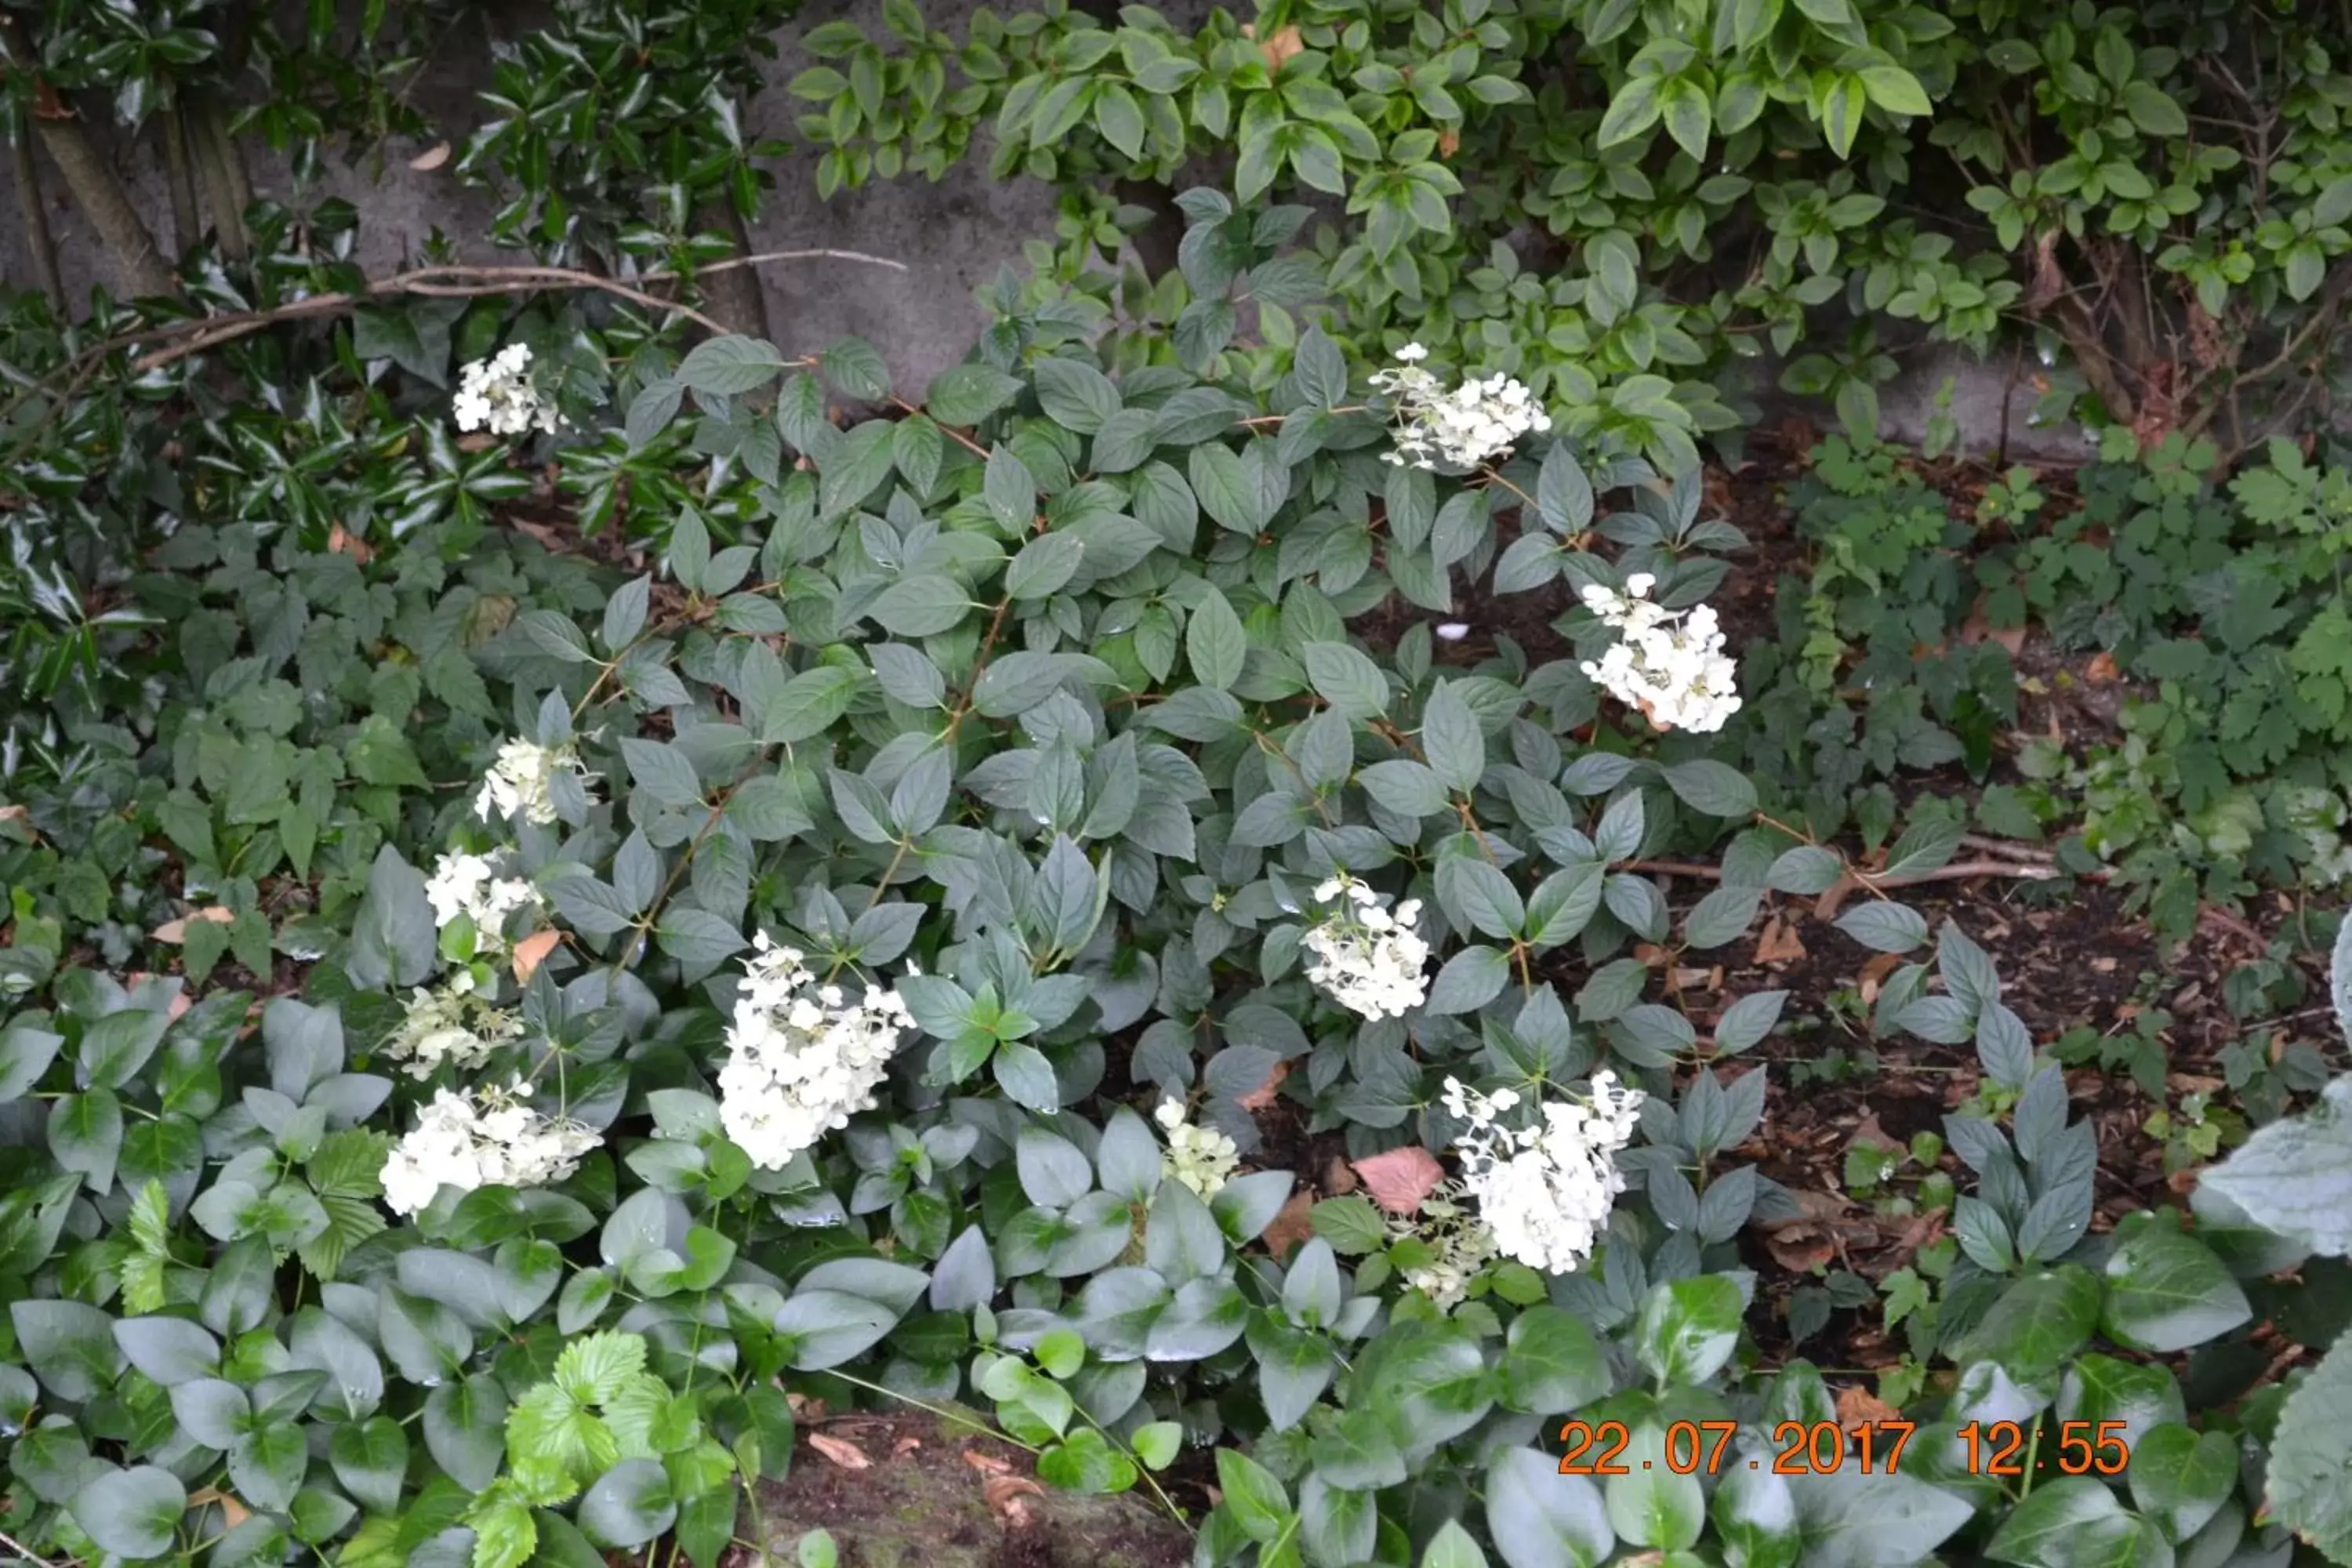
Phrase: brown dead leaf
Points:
(2102, 670)
(1400, 1178)
(987, 1462)
(1293, 1225)
(1278, 48)
(1875, 971)
(1858, 1407)
(841, 1451)
(432, 158)
(233, 1509)
(2049, 280)
(177, 931)
(1778, 943)
(180, 1002)
(1263, 1097)
(1008, 1498)
(1449, 142)
(532, 951)
(1976, 629)
(1337, 1179)
(347, 543)
(905, 1445)
(1801, 1247)
(1868, 1134)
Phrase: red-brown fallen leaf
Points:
(532, 951)
(1778, 943)
(1448, 143)
(1293, 1225)
(1801, 1247)
(1262, 1098)
(1277, 48)
(806, 1411)
(1858, 1407)
(233, 1509)
(988, 1462)
(841, 1451)
(1400, 1178)
(905, 1445)
(350, 545)
(432, 158)
(180, 1002)
(177, 931)
(1868, 1134)
(2102, 670)
(1008, 1498)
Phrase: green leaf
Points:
(1884, 927)
(1633, 110)
(70, 1345)
(1538, 1518)
(965, 395)
(593, 1370)
(2294, 1176)
(730, 366)
(1688, 1328)
(1651, 1505)
(2036, 1324)
(1345, 677)
(131, 1513)
(2153, 111)
(1896, 90)
(394, 938)
(1712, 787)
(168, 1350)
(857, 367)
(629, 1506)
(1451, 1547)
(1256, 1501)
(1075, 394)
(1215, 642)
(1450, 738)
(2074, 1521)
(2311, 1454)
(808, 704)
(370, 1459)
(1551, 1363)
(2167, 1292)
(2180, 1477)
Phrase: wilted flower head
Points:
(1545, 1189)
(495, 394)
(1202, 1158)
(452, 1025)
(1363, 956)
(1476, 421)
(1458, 1244)
(487, 1137)
(802, 1057)
(1673, 668)
(523, 779)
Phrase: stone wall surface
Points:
(953, 236)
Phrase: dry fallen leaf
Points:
(432, 158)
(1337, 1180)
(1400, 1178)
(1448, 143)
(1008, 1498)
(1262, 1098)
(532, 951)
(1778, 943)
(1278, 48)
(1858, 1407)
(1874, 970)
(2102, 668)
(180, 1002)
(988, 1462)
(1293, 1225)
(1868, 1134)
(346, 544)
(1801, 1247)
(806, 1411)
(905, 1445)
(233, 1509)
(841, 1451)
(177, 931)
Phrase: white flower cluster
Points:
(450, 1026)
(1546, 1190)
(1673, 668)
(802, 1058)
(1463, 428)
(523, 779)
(1366, 958)
(1202, 1158)
(484, 1138)
(471, 885)
(495, 394)
(1459, 1245)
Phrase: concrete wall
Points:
(953, 236)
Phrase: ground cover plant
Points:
(861, 951)
(615, 932)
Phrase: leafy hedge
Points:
(1051, 705)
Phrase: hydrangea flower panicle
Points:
(1473, 424)
(1672, 668)
(1364, 956)
(522, 779)
(1545, 1188)
(802, 1057)
(487, 1137)
(495, 394)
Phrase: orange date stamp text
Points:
(1823, 1447)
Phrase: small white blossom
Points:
(1673, 668)
(1202, 1158)
(450, 1026)
(523, 779)
(470, 885)
(485, 1138)
(1365, 957)
(1545, 1189)
(802, 1058)
(1463, 428)
(1452, 631)
(495, 394)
